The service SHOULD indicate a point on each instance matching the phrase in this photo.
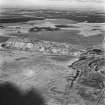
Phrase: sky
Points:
(54, 3)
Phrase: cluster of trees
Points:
(37, 29)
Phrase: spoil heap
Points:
(90, 77)
(22, 43)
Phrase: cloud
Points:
(54, 3)
(80, 0)
(99, 1)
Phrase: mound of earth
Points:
(90, 81)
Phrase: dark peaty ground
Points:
(11, 95)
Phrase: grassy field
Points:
(3, 39)
(62, 58)
(70, 36)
